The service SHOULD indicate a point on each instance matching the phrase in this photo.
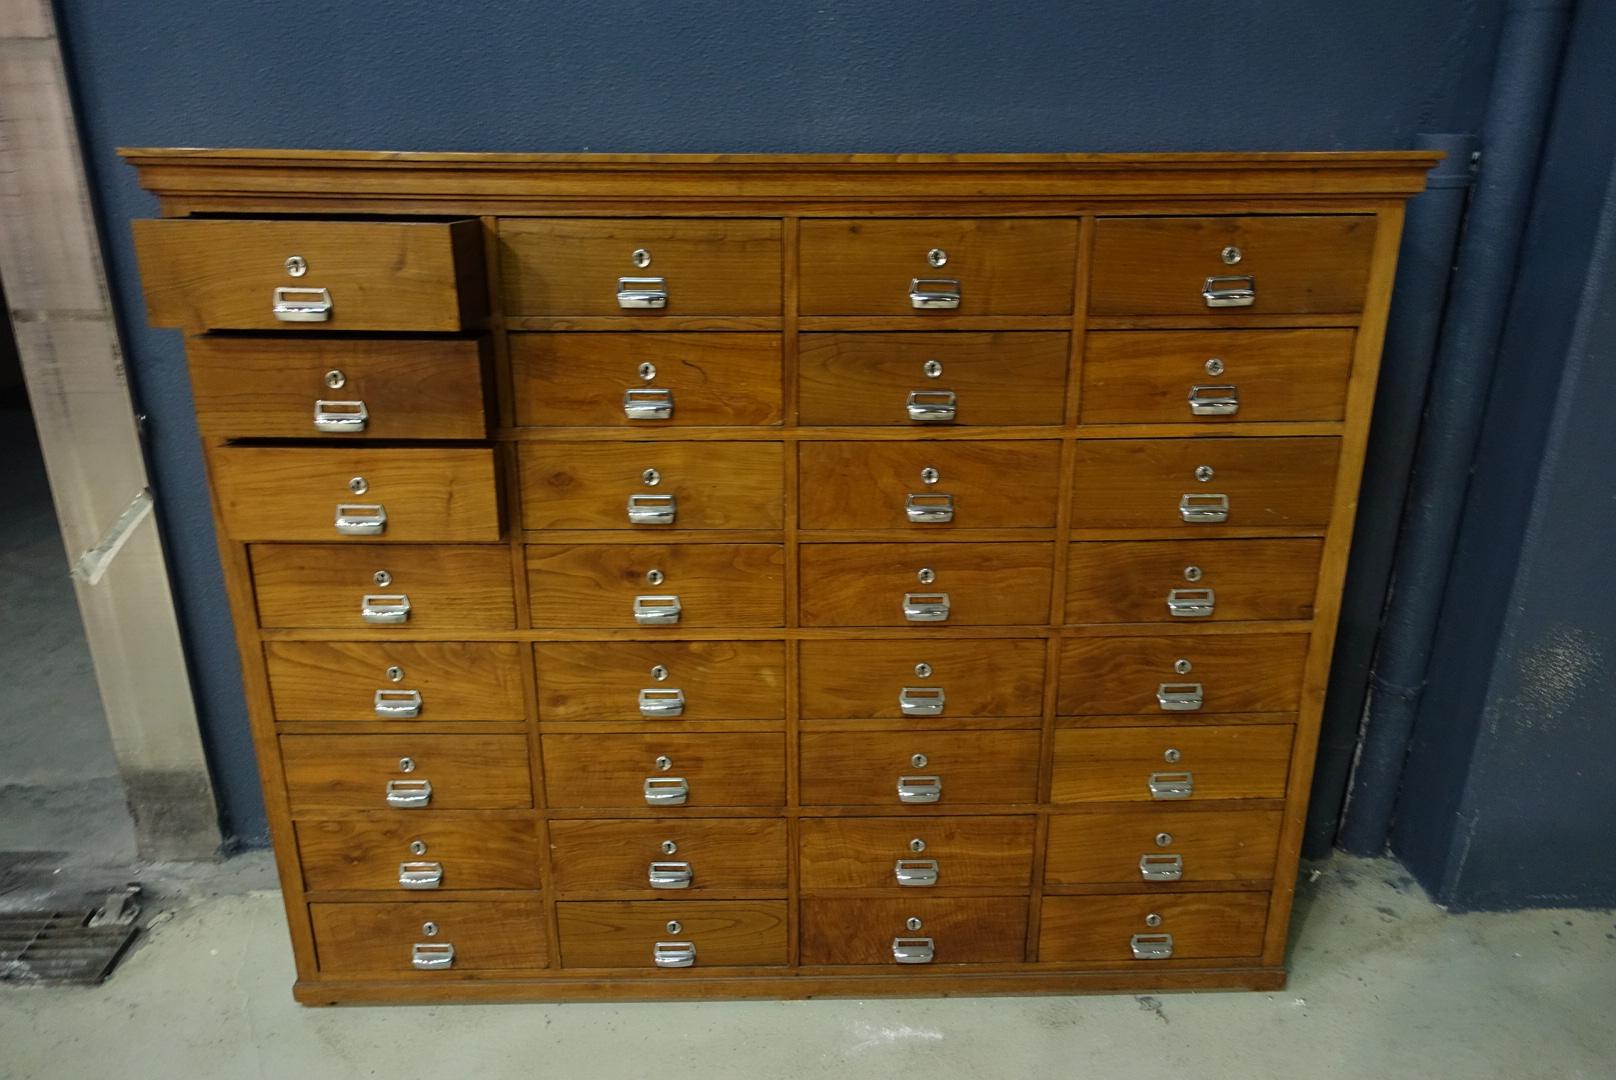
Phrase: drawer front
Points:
(947, 768)
(881, 679)
(343, 388)
(981, 930)
(993, 266)
(418, 855)
(707, 855)
(1171, 764)
(692, 680)
(389, 939)
(1155, 483)
(578, 266)
(353, 494)
(382, 587)
(407, 773)
(1155, 846)
(935, 852)
(434, 681)
(1215, 376)
(603, 585)
(1189, 926)
(664, 771)
(929, 486)
(359, 275)
(911, 584)
(1192, 581)
(1163, 676)
(629, 485)
(1300, 265)
(661, 937)
(905, 380)
(602, 380)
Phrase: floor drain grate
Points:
(59, 947)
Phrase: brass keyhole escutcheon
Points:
(1163, 839)
(1203, 473)
(913, 923)
(654, 577)
(359, 485)
(675, 926)
(1153, 920)
(430, 929)
(640, 258)
(417, 847)
(395, 674)
(406, 764)
(1192, 573)
(1171, 756)
(335, 379)
(932, 369)
(925, 575)
(918, 761)
(929, 475)
(664, 762)
(937, 257)
(650, 478)
(658, 672)
(669, 847)
(922, 671)
(917, 845)
(1183, 666)
(647, 371)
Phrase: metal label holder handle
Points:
(648, 403)
(642, 292)
(929, 508)
(1151, 946)
(420, 875)
(915, 873)
(340, 417)
(657, 703)
(657, 610)
(397, 704)
(666, 791)
(1214, 400)
(670, 875)
(432, 956)
(360, 519)
(1191, 603)
(934, 294)
(409, 794)
(913, 950)
(652, 509)
(922, 700)
(1226, 292)
(385, 609)
(932, 406)
(925, 607)
(302, 305)
(1167, 786)
(674, 954)
(1159, 867)
(1180, 696)
(920, 789)
(1203, 509)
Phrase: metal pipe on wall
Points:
(1529, 52)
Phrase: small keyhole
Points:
(417, 847)
(406, 764)
(1192, 573)
(395, 674)
(654, 577)
(650, 478)
(925, 575)
(929, 475)
(335, 379)
(382, 578)
(917, 845)
(675, 926)
(1231, 255)
(932, 369)
(913, 923)
(1171, 756)
(669, 847)
(922, 671)
(659, 673)
(647, 371)
(297, 266)
(430, 929)
(641, 258)
(1153, 920)
(1163, 839)
(1214, 366)
(918, 761)
(1203, 473)
(937, 257)
(359, 485)
(664, 762)
(1183, 666)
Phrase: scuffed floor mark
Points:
(1151, 1004)
(871, 1036)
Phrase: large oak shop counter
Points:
(780, 576)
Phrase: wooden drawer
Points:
(598, 585)
(1151, 483)
(495, 854)
(631, 934)
(605, 857)
(1201, 926)
(716, 680)
(580, 380)
(280, 388)
(1152, 845)
(995, 584)
(1154, 580)
(304, 493)
(860, 678)
(1246, 761)
(612, 770)
(575, 266)
(714, 485)
(1003, 266)
(325, 586)
(375, 275)
(1008, 379)
(1163, 377)
(1227, 673)
(981, 930)
(451, 680)
(365, 772)
(380, 940)
(1298, 265)
(864, 853)
(864, 769)
(878, 485)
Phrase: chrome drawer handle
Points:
(1166, 786)
(915, 873)
(925, 607)
(922, 700)
(656, 702)
(656, 610)
(1214, 400)
(1180, 696)
(670, 875)
(648, 403)
(932, 406)
(302, 305)
(920, 789)
(398, 704)
(666, 791)
(385, 609)
(420, 875)
(340, 417)
(409, 794)
(1191, 603)
(1221, 292)
(938, 293)
(360, 519)
(913, 950)
(652, 509)
(1151, 946)
(432, 956)
(929, 508)
(1204, 509)
(1161, 867)
(642, 292)
(674, 954)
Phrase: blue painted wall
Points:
(706, 75)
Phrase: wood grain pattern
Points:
(1236, 672)
(623, 934)
(610, 770)
(867, 485)
(375, 940)
(860, 853)
(728, 585)
(323, 586)
(984, 930)
(1251, 580)
(715, 485)
(862, 769)
(350, 854)
(1097, 929)
(1106, 847)
(1002, 584)
(1115, 764)
(864, 678)
(614, 856)
(351, 772)
(338, 680)
(720, 680)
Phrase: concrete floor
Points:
(1385, 986)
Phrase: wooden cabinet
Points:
(717, 576)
